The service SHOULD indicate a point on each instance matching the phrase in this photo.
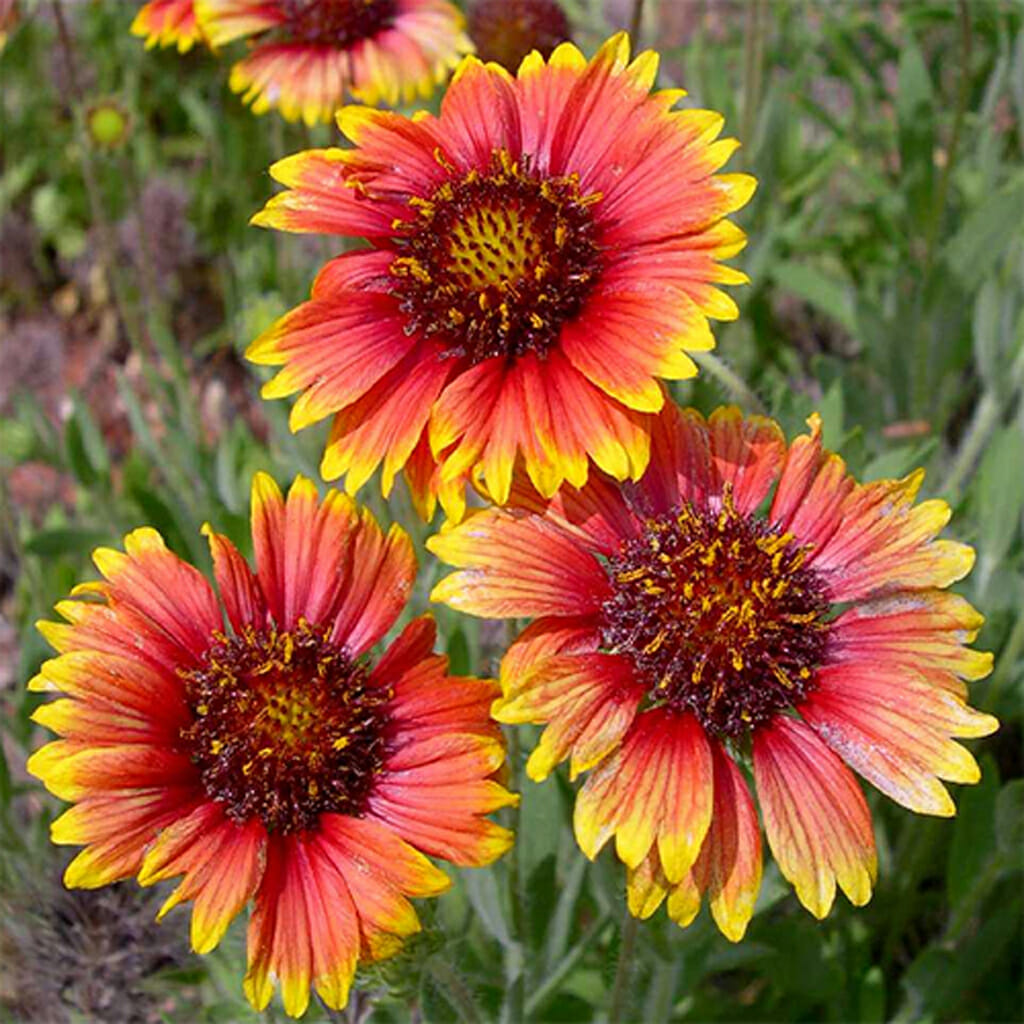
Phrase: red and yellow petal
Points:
(897, 730)
(387, 423)
(588, 701)
(319, 198)
(224, 21)
(222, 863)
(727, 870)
(117, 684)
(72, 769)
(116, 829)
(817, 822)
(926, 630)
(157, 585)
(239, 588)
(436, 791)
(516, 565)
(168, 23)
(304, 929)
(332, 351)
(657, 789)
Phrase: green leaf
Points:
(829, 295)
(482, 890)
(999, 497)
(974, 837)
(1010, 820)
(66, 540)
(974, 249)
(831, 410)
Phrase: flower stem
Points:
(515, 961)
(729, 379)
(515, 958)
(636, 23)
(624, 970)
(455, 990)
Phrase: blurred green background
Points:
(887, 264)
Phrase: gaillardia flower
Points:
(540, 254)
(307, 54)
(697, 617)
(264, 756)
(168, 23)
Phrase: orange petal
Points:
(896, 730)
(516, 565)
(222, 863)
(818, 825)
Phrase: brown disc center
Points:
(339, 23)
(286, 727)
(494, 263)
(718, 614)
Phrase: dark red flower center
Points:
(494, 263)
(286, 727)
(507, 30)
(339, 23)
(718, 614)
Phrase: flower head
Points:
(505, 31)
(541, 254)
(267, 757)
(108, 124)
(742, 596)
(166, 23)
(307, 54)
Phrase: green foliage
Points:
(887, 262)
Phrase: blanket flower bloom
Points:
(689, 620)
(266, 758)
(540, 255)
(307, 54)
(167, 23)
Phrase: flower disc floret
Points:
(718, 615)
(336, 22)
(286, 727)
(496, 263)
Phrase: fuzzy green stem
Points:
(987, 415)
(624, 970)
(733, 383)
(455, 990)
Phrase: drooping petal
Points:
(728, 869)
(896, 730)
(516, 565)
(818, 825)
(656, 789)
(304, 929)
(222, 863)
